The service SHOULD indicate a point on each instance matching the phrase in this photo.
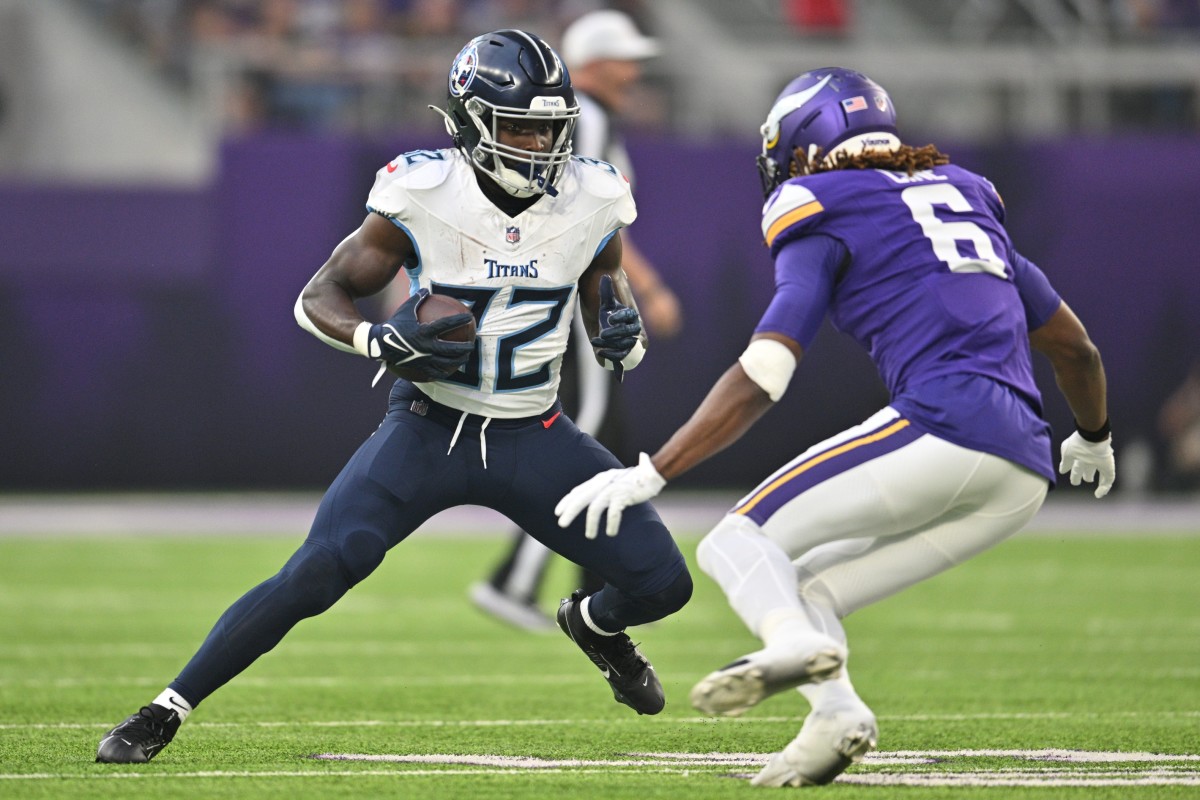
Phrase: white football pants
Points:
(851, 537)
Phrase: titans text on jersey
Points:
(517, 274)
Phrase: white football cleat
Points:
(736, 687)
(513, 610)
(829, 741)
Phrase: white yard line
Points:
(685, 765)
(668, 720)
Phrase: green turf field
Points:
(1044, 644)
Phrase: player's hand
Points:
(1086, 460)
(403, 340)
(611, 491)
(620, 327)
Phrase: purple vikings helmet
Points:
(511, 75)
(830, 110)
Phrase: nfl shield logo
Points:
(512, 234)
(881, 103)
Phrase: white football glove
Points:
(613, 491)
(1084, 459)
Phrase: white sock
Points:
(786, 626)
(171, 699)
(834, 692)
(587, 619)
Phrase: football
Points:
(435, 307)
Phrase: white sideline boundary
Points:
(688, 514)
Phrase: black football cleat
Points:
(139, 738)
(627, 671)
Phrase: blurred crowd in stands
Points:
(323, 64)
(367, 65)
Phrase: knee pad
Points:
(360, 552)
(672, 598)
(317, 576)
(311, 579)
(612, 610)
(727, 537)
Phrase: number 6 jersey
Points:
(920, 271)
(517, 274)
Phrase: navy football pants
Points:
(400, 477)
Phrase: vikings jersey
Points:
(927, 281)
(518, 274)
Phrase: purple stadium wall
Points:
(147, 339)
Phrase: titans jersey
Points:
(933, 289)
(518, 274)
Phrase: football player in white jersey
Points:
(511, 225)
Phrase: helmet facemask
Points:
(521, 173)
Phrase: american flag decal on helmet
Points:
(855, 104)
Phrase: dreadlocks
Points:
(905, 159)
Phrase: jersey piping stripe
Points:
(795, 215)
(800, 469)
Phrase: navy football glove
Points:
(404, 341)
(620, 327)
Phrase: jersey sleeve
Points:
(791, 212)
(805, 272)
(1037, 295)
(416, 169)
(605, 184)
(388, 194)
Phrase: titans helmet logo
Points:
(463, 70)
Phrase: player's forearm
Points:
(732, 406)
(1078, 370)
(1082, 382)
(327, 311)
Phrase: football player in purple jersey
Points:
(907, 254)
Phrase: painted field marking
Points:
(896, 768)
(503, 723)
(1172, 775)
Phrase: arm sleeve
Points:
(1037, 295)
(805, 273)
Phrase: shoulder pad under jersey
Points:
(604, 182)
(414, 170)
(790, 205)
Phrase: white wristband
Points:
(631, 360)
(361, 339)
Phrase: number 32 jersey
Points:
(518, 275)
(931, 286)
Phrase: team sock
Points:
(169, 698)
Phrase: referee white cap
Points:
(605, 35)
